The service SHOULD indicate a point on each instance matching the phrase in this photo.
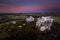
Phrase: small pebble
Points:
(23, 24)
(20, 26)
(14, 22)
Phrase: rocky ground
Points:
(23, 30)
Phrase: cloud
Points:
(11, 8)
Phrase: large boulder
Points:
(45, 21)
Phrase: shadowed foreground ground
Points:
(9, 31)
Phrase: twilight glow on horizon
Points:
(20, 6)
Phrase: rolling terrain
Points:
(10, 31)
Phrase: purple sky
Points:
(18, 6)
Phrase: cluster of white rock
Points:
(43, 23)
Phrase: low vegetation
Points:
(9, 31)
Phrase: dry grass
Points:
(13, 32)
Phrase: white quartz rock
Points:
(30, 19)
(46, 21)
(14, 22)
(43, 28)
(20, 26)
